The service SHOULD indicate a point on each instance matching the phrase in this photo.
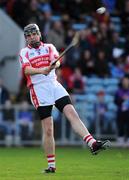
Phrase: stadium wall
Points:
(11, 41)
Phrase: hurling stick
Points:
(73, 43)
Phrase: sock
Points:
(51, 160)
(89, 140)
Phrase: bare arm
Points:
(46, 70)
(31, 71)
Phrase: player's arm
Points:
(54, 54)
(28, 70)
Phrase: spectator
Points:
(103, 18)
(25, 121)
(101, 110)
(76, 82)
(103, 43)
(105, 114)
(126, 66)
(92, 34)
(117, 69)
(117, 47)
(26, 12)
(66, 71)
(122, 102)
(84, 42)
(125, 17)
(60, 77)
(86, 63)
(4, 93)
(56, 35)
(104, 29)
(23, 93)
(32, 13)
(46, 19)
(2, 127)
(101, 64)
(8, 117)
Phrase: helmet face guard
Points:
(32, 28)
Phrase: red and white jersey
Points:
(38, 58)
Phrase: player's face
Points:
(32, 38)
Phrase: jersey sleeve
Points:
(23, 58)
(54, 54)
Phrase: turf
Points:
(72, 164)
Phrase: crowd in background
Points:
(103, 49)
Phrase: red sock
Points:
(89, 140)
(51, 160)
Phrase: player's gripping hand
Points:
(45, 70)
(48, 69)
(32, 71)
(55, 64)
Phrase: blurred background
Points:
(95, 73)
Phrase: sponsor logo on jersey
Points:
(40, 61)
(38, 51)
(46, 50)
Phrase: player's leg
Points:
(48, 141)
(81, 129)
(48, 136)
(64, 104)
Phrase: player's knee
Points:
(70, 111)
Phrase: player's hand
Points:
(46, 70)
(55, 64)
(52, 66)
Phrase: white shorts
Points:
(45, 94)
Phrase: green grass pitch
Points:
(72, 164)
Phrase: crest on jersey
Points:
(46, 50)
(32, 54)
(38, 51)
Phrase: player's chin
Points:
(34, 44)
